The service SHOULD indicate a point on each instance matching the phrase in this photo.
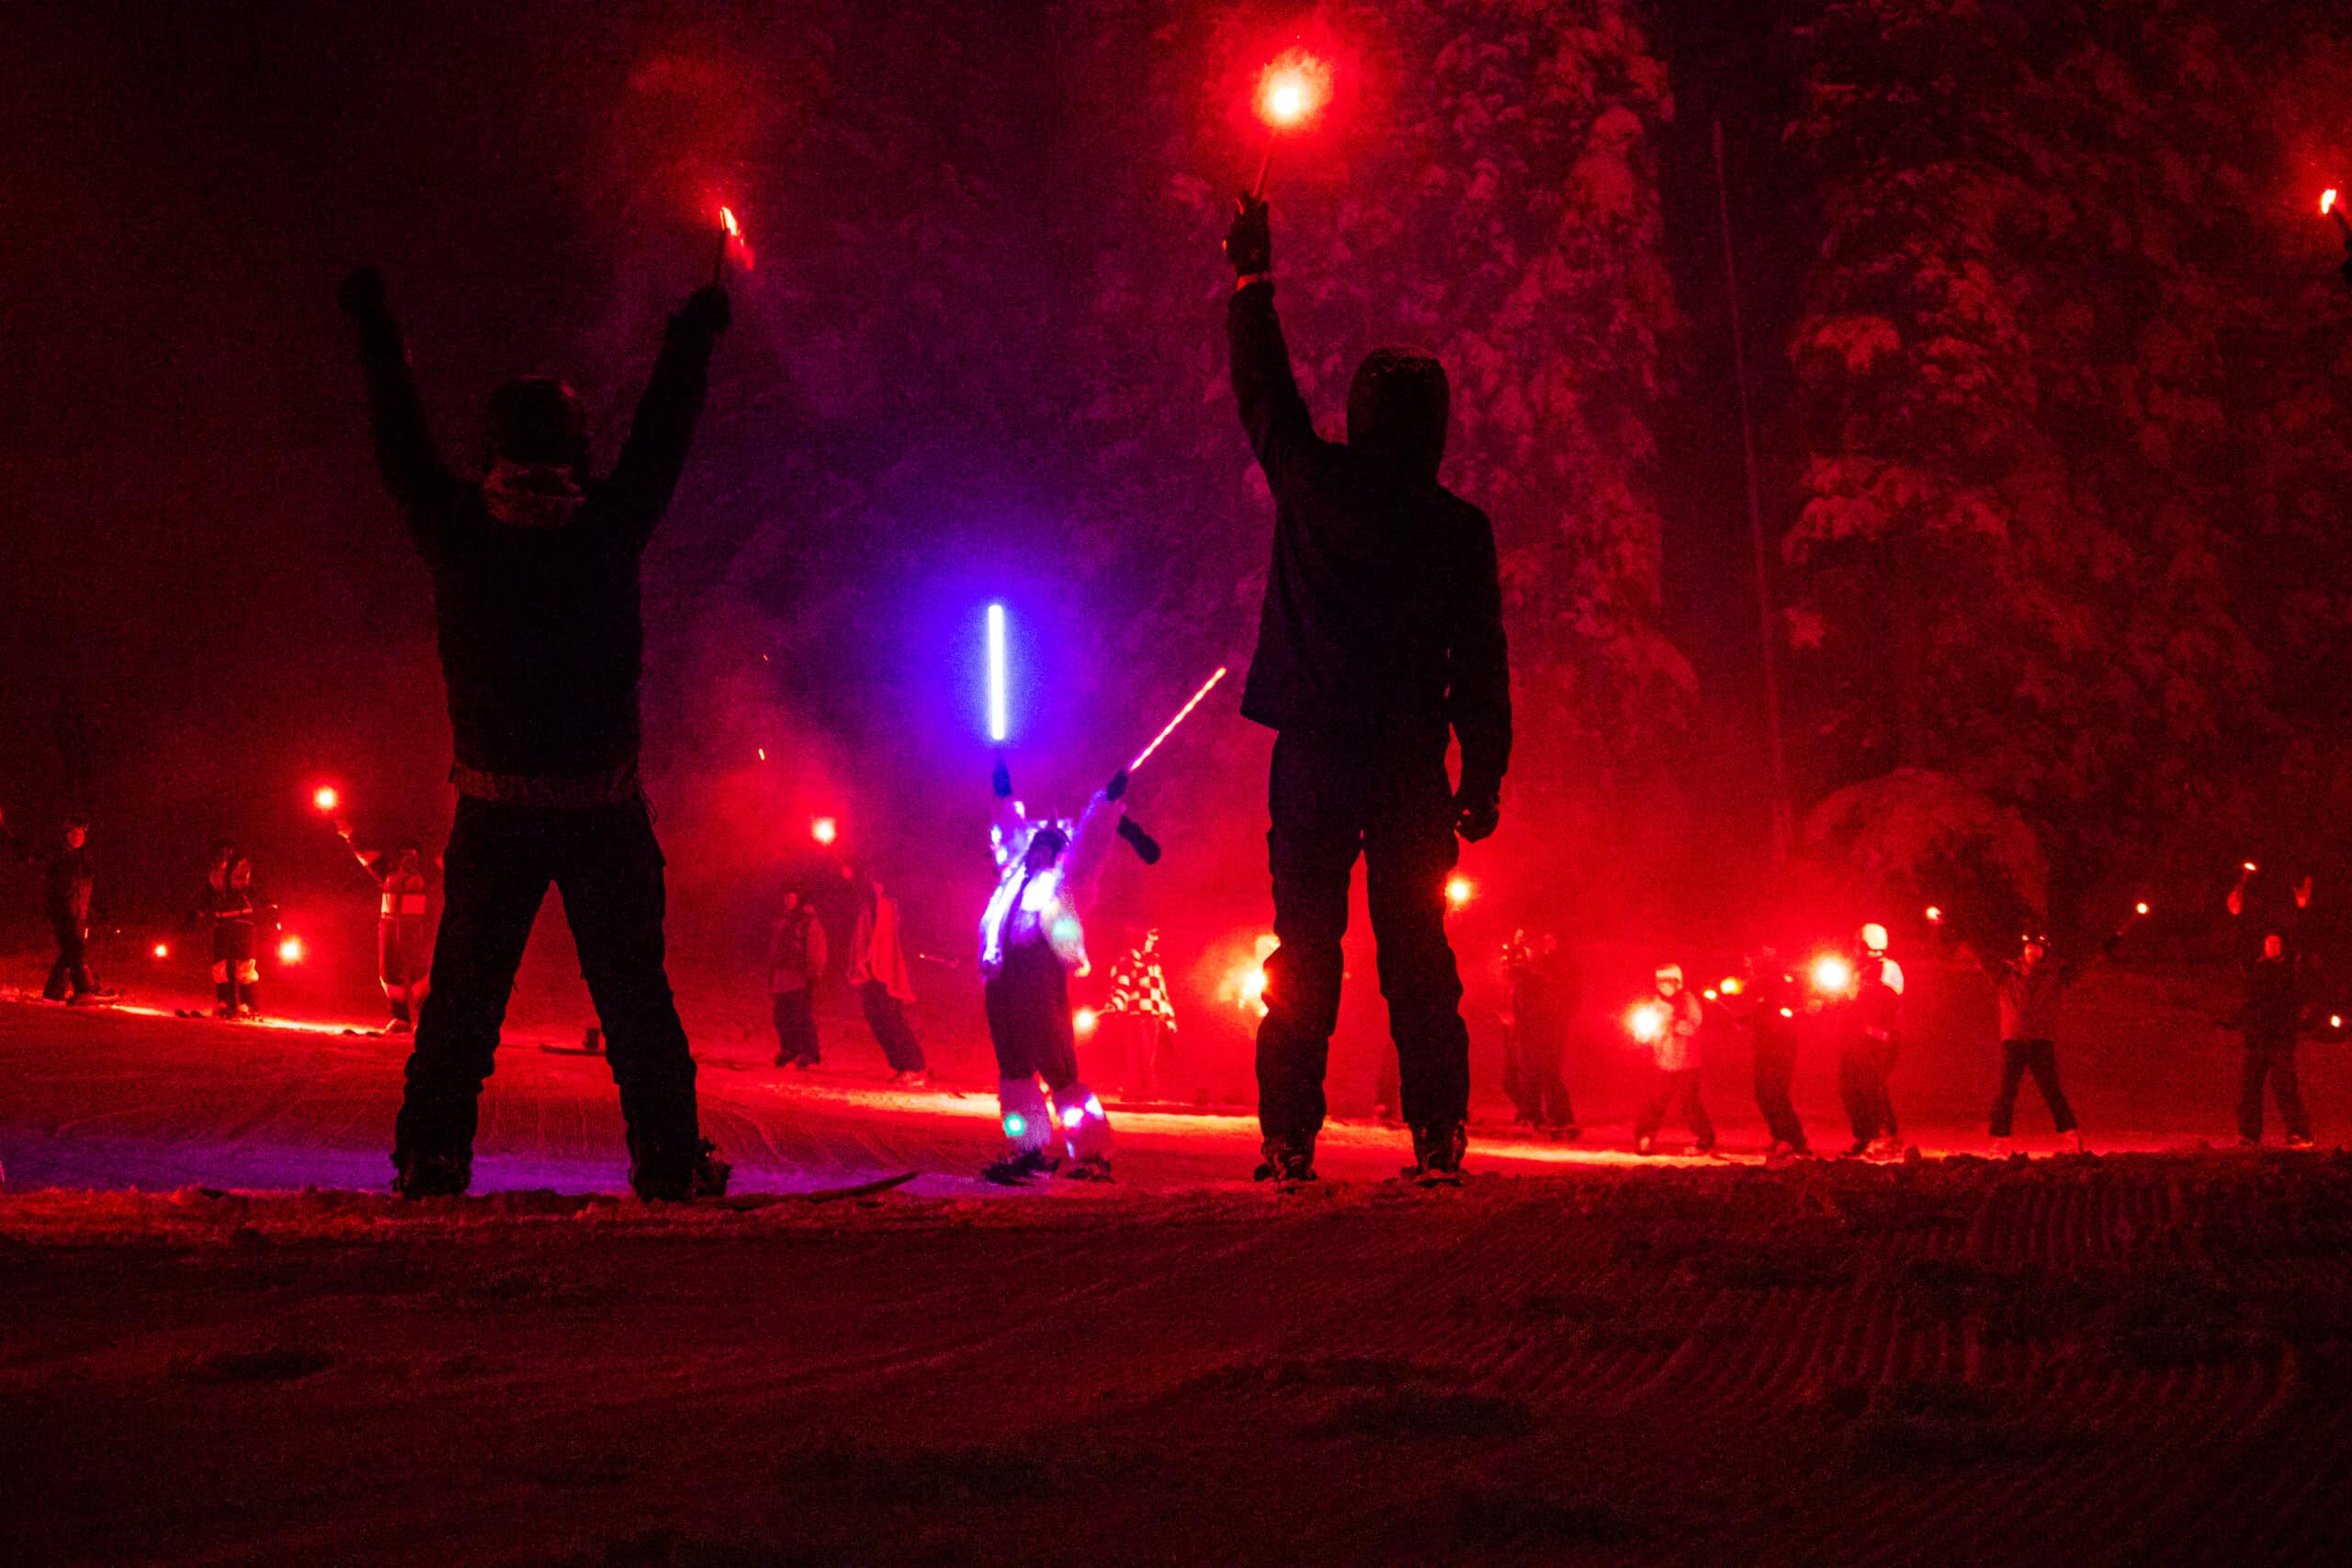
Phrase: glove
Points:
(1250, 243)
(361, 293)
(705, 313)
(1476, 817)
(1146, 848)
(1117, 788)
(1000, 780)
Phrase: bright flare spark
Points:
(1935, 915)
(1083, 1021)
(1832, 975)
(726, 217)
(824, 829)
(291, 949)
(1732, 986)
(326, 798)
(1295, 86)
(1647, 1022)
(1460, 890)
(2140, 908)
(163, 950)
(995, 674)
(1181, 714)
(2326, 203)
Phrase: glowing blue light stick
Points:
(995, 674)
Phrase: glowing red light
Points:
(1732, 986)
(1647, 1022)
(824, 829)
(291, 951)
(2140, 908)
(1291, 88)
(326, 798)
(1460, 890)
(1084, 1020)
(1832, 975)
(726, 217)
(163, 950)
(1074, 1118)
(2326, 202)
(1935, 915)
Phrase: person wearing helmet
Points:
(1674, 1053)
(1870, 1017)
(1032, 941)
(536, 571)
(1380, 638)
(1768, 1002)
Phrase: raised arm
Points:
(1281, 431)
(421, 485)
(1090, 846)
(1478, 697)
(659, 437)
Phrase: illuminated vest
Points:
(404, 896)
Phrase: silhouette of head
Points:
(1046, 846)
(539, 420)
(1398, 408)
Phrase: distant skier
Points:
(226, 909)
(879, 973)
(69, 882)
(2271, 1020)
(1032, 941)
(1671, 1030)
(1545, 992)
(403, 941)
(536, 575)
(1869, 1021)
(1381, 633)
(796, 959)
(1140, 1013)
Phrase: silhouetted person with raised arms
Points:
(1382, 632)
(536, 592)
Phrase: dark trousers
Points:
(1141, 1036)
(1776, 1069)
(499, 860)
(2273, 1059)
(886, 1017)
(1332, 802)
(1679, 1088)
(1864, 1063)
(1027, 1002)
(2038, 1057)
(795, 1026)
(1531, 1075)
(71, 970)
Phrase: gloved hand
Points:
(705, 312)
(1000, 780)
(1146, 847)
(1117, 788)
(361, 293)
(1250, 243)
(1476, 815)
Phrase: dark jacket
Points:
(2029, 1002)
(1382, 616)
(540, 636)
(67, 882)
(2273, 1000)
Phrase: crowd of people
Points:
(1380, 648)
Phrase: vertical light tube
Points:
(995, 674)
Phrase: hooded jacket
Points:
(540, 636)
(1382, 616)
(1054, 900)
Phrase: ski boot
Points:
(432, 1176)
(658, 1176)
(1289, 1163)
(1015, 1166)
(1437, 1154)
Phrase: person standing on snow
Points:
(69, 882)
(2029, 990)
(226, 908)
(1768, 1001)
(1381, 633)
(884, 984)
(536, 575)
(1870, 1018)
(403, 947)
(2272, 1019)
(1673, 1021)
(796, 963)
(1544, 995)
(1032, 941)
(1138, 1005)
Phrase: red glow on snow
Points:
(1291, 88)
(326, 797)
(291, 951)
(824, 829)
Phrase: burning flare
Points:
(325, 798)
(1832, 975)
(291, 951)
(1291, 88)
(1647, 1021)
(824, 829)
(1460, 890)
